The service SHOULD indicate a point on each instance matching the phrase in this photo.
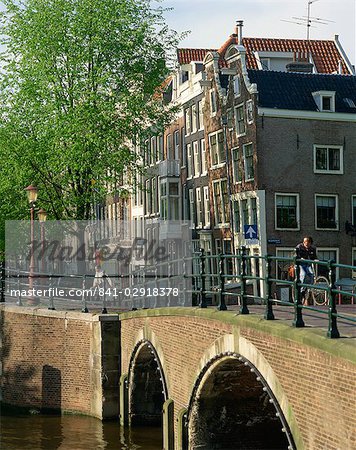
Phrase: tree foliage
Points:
(80, 82)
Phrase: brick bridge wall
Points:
(59, 360)
(312, 377)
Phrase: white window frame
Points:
(318, 98)
(237, 86)
(220, 162)
(176, 137)
(236, 171)
(194, 118)
(328, 171)
(204, 166)
(189, 162)
(201, 114)
(245, 164)
(187, 121)
(213, 103)
(249, 111)
(336, 212)
(237, 107)
(199, 209)
(287, 194)
(196, 159)
(206, 207)
(191, 207)
(224, 222)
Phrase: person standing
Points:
(306, 250)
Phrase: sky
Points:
(210, 22)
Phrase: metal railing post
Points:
(51, 303)
(104, 310)
(222, 304)
(333, 332)
(298, 321)
(19, 302)
(203, 303)
(243, 274)
(185, 280)
(268, 287)
(84, 298)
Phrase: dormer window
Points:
(325, 100)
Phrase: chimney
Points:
(239, 25)
(300, 63)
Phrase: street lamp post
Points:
(32, 197)
(42, 216)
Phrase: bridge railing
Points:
(201, 279)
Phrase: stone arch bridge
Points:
(226, 381)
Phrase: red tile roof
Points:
(187, 55)
(325, 54)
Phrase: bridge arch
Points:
(232, 406)
(147, 386)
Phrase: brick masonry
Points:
(308, 371)
(58, 360)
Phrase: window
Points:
(160, 147)
(237, 218)
(148, 192)
(173, 201)
(353, 212)
(206, 207)
(326, 207)
(265, 63)
(203, 156)
(189, 161)
(196, 158)
(254, 210)
(154, 195)
(182, 145)
(240, 120)
(199, 207)
(213, 105)
(221, 202)
(325, 100)
(191, 207)
(236, 167)
(217, 152)
(237, 90)
(287, 211)
(187, 121)
(248, 162)
(169, 146)
(194, 118)
(328, 159)
(164, 201)
(245, 215)
(176, 145)
(201, 114)
(249, 111)
(147, 152)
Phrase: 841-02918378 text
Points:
(134, 292)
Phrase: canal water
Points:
(68, 432)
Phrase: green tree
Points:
(80, 82)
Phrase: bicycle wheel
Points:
(320, 296)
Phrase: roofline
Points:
(306, 114)
(343, 54)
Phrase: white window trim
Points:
(235, 175)
(287, 194)
(203, 156)
(206, 200)
(336, 212)
(213, 113)
(217, 224)
(329, 172)
(219, 164)
(235, 112)
(249, 102)
(244, 159)
(237, 77)
(196, 158)
(318, 98)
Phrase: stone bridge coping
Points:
(313, 337)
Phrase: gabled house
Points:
(283, 166)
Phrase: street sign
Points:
(250, 232)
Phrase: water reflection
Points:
(37, 432)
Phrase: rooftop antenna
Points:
(308, 20)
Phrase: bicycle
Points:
(316, 295)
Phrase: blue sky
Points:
(210, 22)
